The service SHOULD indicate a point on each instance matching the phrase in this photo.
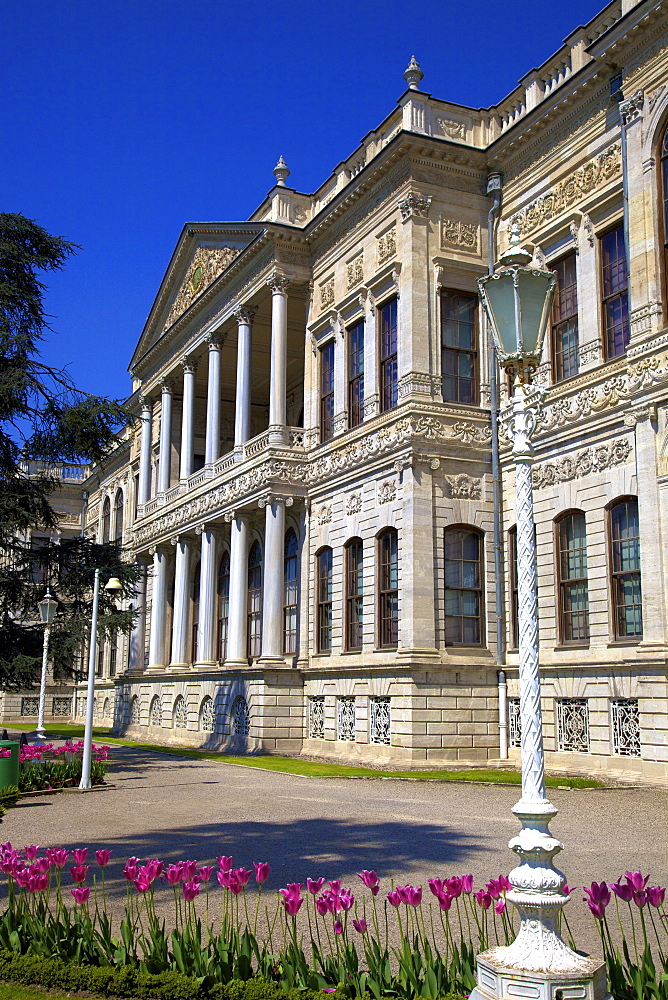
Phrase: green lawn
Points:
(315, 769)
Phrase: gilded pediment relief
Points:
(205, 266)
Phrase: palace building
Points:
(312, 484)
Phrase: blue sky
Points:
(124, 119)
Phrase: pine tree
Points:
(45, 419)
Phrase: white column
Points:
(156, 650)
(242, 421)
(206, 627)
(180, 631)
(137, 637)
(165, 458)
(237, 643)
(279, 346)
(272, 595)
(188, 419)
(212, 449)
(145, 450)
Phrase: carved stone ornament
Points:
(463, 487)
(455, 130)
(463, 235)
(581, 182)
(582, 464)
(471, 433)
(414, 206)
(386, 245)
(355, 271)
(354, 504)
(588, 227)
(387, 491)
(278, 283)
(327, 293)
(244, 314)
(207, 263)
(324, 515)
(631, 110)
(653, 98)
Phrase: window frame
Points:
(354, 620)
(355, 381)
(662, 185)
(119, 505)
(292, 608)
(324, 619)
(565, 583)
(327, 397)
(389, 387)
(556, 324)
(614, 576)
(470, 529)
(254, 612)
(605, 299)
(474, 353)
(106, 520)
(223, 603)
(195, 598)
(387, 596)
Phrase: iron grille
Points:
(626, 727)
(155, 714)
(514, 723)
(207, 716)
(345, 719)
(380, 720)
(573, 724)
(240, 717)
(180, 713)
(135, 711)
(29, 706)
(62, 706)
(316, 718)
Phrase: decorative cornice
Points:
(584, 463)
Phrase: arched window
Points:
(324, 581)
(625, 569)
(207, 715)
(388, 588)
(155, 712)
(240, 717)
(463, 587)
(572, 578)
(290, 591)
(106, 709)
(664, 213)
(118, 519)
(254, 601)
(180, 713)
(135, 711)
(354, 583)
(195, 611)
(106, 520)
(223, 603)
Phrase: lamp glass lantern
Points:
(47, 609)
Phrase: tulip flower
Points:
(393, 897)
(435, 885)
(322, 906)
(624, 890)
(346, 899)
(81, 894)
(223, 879)
(483, 899)
(656, 895)
(292, 905)
(262, 869)
(467, 883)
(190, 890)
(242, 875)
(413, 895)
(173, 874)
(224, 863)
(454, 886)
(188, 869)
(38, 883)
(79, 872)
(370, 880)
(235, 885)
(360, 925)
(205, 872)
(500, 906)
(635, 879)
(102, 857)
(79, 854)
(32, 851)
(445, 900)
(335, 884)
(142, 883)
(130, 869)
(153, 869)
(599, 897)
(42, 864)
(314, 885)
(338, 927)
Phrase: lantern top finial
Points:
(515, 254)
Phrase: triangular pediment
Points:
(206, 264)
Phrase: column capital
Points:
(278, 283)
(146, 402)
(244, 314)
(189, 364)
(272, 498)
(207, 526)
(214, 341)
(166, 385)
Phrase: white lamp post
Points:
(47, 609)
(538, 963)
(113, 584)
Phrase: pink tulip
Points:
(81, 894)
(483, 899)
(568, 889)
(322, 906)
(130, 869)
(500, 905)
(153, 869)
(360, 925)
(173, 874)
(43, 864)
(224, 863)
(235, 885)
(262, 869)
(335, 884)
(435, 885)
(188, 869)
(242, 875)
(624, 890)
(190, 890)
(656, 895)
(31, 852)
(80, 854)
(346, 899)
(636, 879)
(445, 900)
(142, 883)
(37, 883)
(394, 898)
(454, 886)
(292, 905)
(467, 883)
(599, 897)
(223, 879)
(205, 872)
(640, 898)
(79, 872)
(338, 927)
(413, 895)
(314, 885)
(370, 880)
(102, 857)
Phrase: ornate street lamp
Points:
(538, 963)
(47, 609)
(114, 584)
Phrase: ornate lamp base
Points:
(497, 981)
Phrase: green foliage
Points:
(9, 796)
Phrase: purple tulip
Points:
(370, 880)
(224, 863)
(79, 872)
(338, 927)
(321, 906)
(413, 895)
(292, 905)
(624, 890)
(81, 894)
(142, 883)
(435, 885)
(360, 925)
(656, 895)
(467, 883)
(262, 869)
(57, 856)
(173, 874)
(32, 851)
(42, 865)
(499, 906)
(153, 869)
(640, 898)
(483, 899)
(188, 869)
(38, 883)
(79, 854)
(445, 900)
(394, 898)
(235, 884)
(224, 879)
(102, 858)
(346, 899)
(335, 884)
(130, 869)
(190, 890)
(454, 886)
(314, 885)
(568, 889)
(637, 880)
(205, 872)
(599, 897)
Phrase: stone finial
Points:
(281, 172)
(413, 74)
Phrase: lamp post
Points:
(538, 963)
(47, 609)
(112, 585)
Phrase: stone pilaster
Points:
(242, 417)
(188, 419)
(165, 457)
(212, 446)
(180, 655)
(237, 643)
(145, 442)
(279, 346)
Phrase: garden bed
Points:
(50, 768)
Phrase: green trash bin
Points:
(9, 766)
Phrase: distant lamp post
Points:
(47, 609)
(113, 585)
(538, 963)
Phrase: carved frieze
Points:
(327, 293)
(207, 263)
(462, 235)
(355, 271)
(568, 192)
(463, 487)
(387, 491)
(386, 246)
(414, 206)
(454, 130)
(631, 109)
(324, 515)
(354, 504)
(589, 460)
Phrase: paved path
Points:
(172, 808)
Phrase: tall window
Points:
(254, 601)
(463, 587)
(356, 375)
(459, 355)
(514, 603)
(223, 604)
(327, 392)
(195, 611)
(354, 567)
(664, 193)
(615, 295)
(388, 588)
(324, 587)
(572, 577)
(290, 591)
(106, 520)
(565, 344)
(389, 372)
(626, 586)
(118, 519)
